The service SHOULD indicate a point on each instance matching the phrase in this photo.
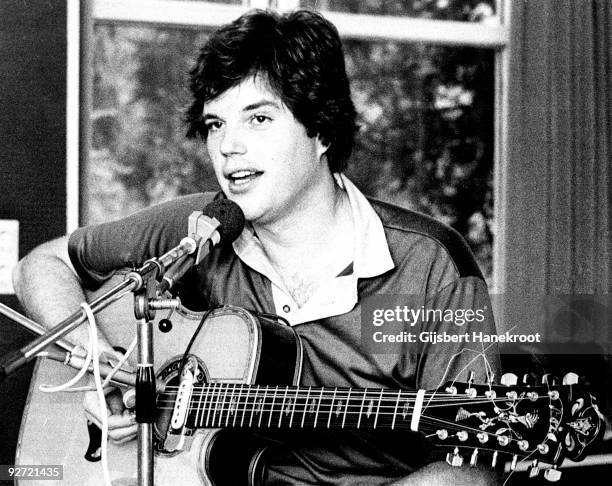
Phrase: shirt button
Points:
(286, 309)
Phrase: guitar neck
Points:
(244, 406)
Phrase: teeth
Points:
(242, 173)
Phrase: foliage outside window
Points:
(425, 112)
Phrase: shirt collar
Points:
(371, 255)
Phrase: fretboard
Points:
(244, 406)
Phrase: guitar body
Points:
(232, 346)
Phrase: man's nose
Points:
(232, 141)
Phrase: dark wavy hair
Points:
(300, 55)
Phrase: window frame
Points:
(82, 14)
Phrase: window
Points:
(425, 89)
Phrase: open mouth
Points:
(242, 177)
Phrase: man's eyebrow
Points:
(260, 104)
(250, 107)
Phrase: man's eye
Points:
(260, 120)
(213, 126)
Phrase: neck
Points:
(310, 224)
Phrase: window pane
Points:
(459, 10)
(425, 112)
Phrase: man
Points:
(272, 102)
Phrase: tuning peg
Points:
(474, 458)
(570, 379)
(494, 460)
(442, 434)
(482, 437)
(490, 394)
(543, 448)
(462, 435)
(454, 459)
(528, 379)
(549, 379)
(534, 469)
(552, 475)
(503, 440)
(509, 379)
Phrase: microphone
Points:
(219, 224)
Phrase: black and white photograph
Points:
(305, 242)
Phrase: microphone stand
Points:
(144, 283)
(145, 378)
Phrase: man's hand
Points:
(122, 426)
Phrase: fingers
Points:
(121, 428)
(122, 425)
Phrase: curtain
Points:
(557, 214)
(556, 243)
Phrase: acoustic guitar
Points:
(242, 375)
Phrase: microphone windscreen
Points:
(231, 217)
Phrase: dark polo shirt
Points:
(433, 269)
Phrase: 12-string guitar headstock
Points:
(543, 423)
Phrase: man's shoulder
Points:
(421, 236)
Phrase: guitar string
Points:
(351, 396)
(220, 413)
(331, 391)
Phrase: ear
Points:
(321, 147)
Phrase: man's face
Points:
(262, 157)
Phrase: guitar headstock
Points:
(543, 423)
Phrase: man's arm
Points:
(48, 288)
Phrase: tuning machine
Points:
(509, 379)
(552, 475)
(570, 379)
(534, 469)
(454, 459)
(549, 379)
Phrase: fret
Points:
(223, 408)
(399, 394)
(210, 393)
(262, 405)
(365, 392)
(245, 405)
(305, 407)
(272, 407)
(199, 406)
(378, 408)
(255, 401)
(295, 399)
(216, 405)
(331, 407)
(348, 400)
(235, 404)
(280, 415)
(318, 407)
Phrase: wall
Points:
(32, 158)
